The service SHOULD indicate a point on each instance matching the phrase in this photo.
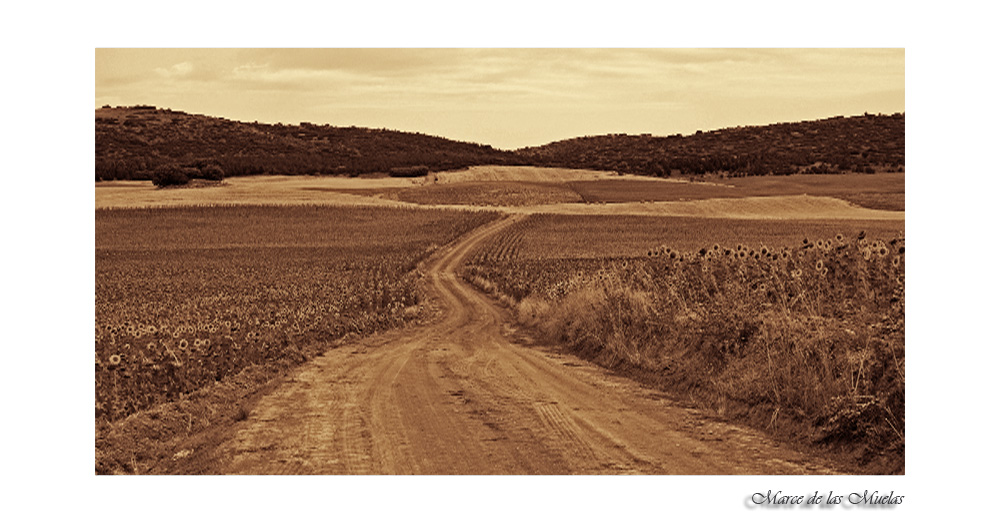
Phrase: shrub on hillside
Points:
(170, 174)
(409, 172)
(212, 171)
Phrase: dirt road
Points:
(466, 394)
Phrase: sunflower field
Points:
(188, 296)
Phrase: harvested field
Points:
(517, 173)
(534, 189)
(490, 194)
(751, 208)
(842, 186)
(881, 201)
(251, 190)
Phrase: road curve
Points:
(465, 394)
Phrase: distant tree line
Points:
(867, 143)
(132, 143)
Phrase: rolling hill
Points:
(130, 142)
(869, 143)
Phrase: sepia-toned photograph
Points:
(465, 261)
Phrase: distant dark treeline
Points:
(868, 143)
(133, 142)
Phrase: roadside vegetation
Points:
(786, 326)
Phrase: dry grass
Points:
(806, 342)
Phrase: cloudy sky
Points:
(508, 98)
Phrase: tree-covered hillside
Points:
(131, 142)
(869, 143)
(138, 142)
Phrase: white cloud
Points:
(176, 71)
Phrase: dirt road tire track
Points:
(459, 396)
